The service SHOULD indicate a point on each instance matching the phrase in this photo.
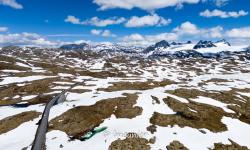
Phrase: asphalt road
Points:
(40, 138)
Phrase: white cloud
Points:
(26, 39)
(186, 31)
(188, 28)
(243, 32)
(67, 35)
(72, 19)
(149, 20)
(190, 31)
(104, 33)
(82, 41)
(218, 3)
(215, 32)
(96, 32)
(223, 14)
(145, 40)
(134, 37)
(107, 33)
(148, 5)
(95, 21)
(11, 3)
(3, 29)
(162, 36)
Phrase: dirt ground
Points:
(191, 114)
(232, 146)
(130, 143)
(79, 120)
(119, 86)
(13, 122)
(176, 145)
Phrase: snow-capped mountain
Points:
(81, 46)
(223, 41)
(204, 44)
(207, 49)
(103, 47)
(115, 48)
(158, 46)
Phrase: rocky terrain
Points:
(173, 96)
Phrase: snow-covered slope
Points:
(146, 102)
(158, 100)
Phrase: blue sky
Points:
(135, 22)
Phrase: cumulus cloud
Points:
(185, 31)
(96, 32)
(11, 3)
(223, 14)
(188, 28)
(107, 33)
(215, 32)
(3, 29)
(95, 21)
(218, 3)
(82, 41)
(243, 32)
(134, 21)
(190, 31)
(145, 40)
(72, 19)
(134, 37)
(149, 20)
(149, 5)
(26, 39)
(67, 35)
(104, 33)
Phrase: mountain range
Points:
(221, 48)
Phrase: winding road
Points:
(40, 137)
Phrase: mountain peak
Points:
(176, 43)
(224, 41)
(158, 45)
(81, 46)
(204, 44)
(162, 43)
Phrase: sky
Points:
(51, 23)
